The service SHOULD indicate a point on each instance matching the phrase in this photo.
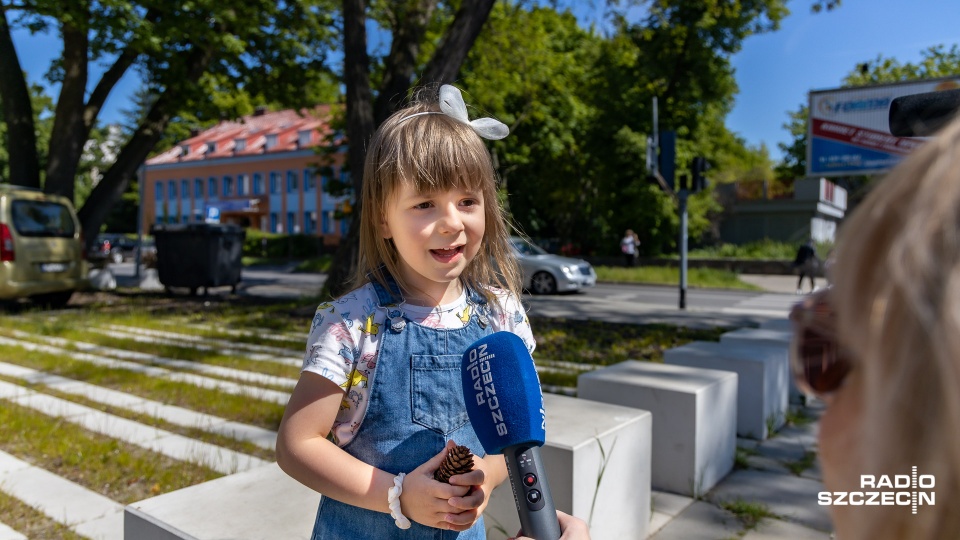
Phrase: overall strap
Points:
(384, 297)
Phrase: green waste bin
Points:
(199, 255)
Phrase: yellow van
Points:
(41, 248)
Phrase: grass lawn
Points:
(660, 275)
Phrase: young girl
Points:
(379, 402)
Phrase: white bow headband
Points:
(452, 105)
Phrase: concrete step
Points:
(217, 458)
(85, 512)
(180, 416)
(201, 381)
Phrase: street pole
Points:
(682, 197)
(136, 262)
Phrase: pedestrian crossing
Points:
(772, 304)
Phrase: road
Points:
(610, 302)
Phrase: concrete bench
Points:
(762, 381)
(261, 503)
(767, 338)
(694, 418)
(583, 439)
(777, 324)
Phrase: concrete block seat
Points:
(261, 503)
(773, 339)
(777, 324)
(583, 439)
(762, 381)
(694, 418)
(587, 439)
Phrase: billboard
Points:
(849, 131)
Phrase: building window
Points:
(325, 226)
(185, 188)
(184, 150)
(198, 188)
(309, 222)
(212, 187)
(211, 147)
(257, 183)
(241, 184)
(309, 180)
(271, 141)
(303, 138)
(273, 222)
(343, 226)
(291, 222)
(273, 183)
(172, 190)
(227, 186)
(291, 182)
(159, 189)
(239, 145)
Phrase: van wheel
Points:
(54, 300)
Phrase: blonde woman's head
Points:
(897, 302)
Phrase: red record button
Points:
(529, 479)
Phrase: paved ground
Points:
(778, 478)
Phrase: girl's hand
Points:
(467, 509)
(425, 500)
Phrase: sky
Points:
(774, 71)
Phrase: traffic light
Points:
(699, 166)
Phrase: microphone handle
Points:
(531, 492)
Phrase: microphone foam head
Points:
(502, 393)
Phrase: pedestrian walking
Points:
(628, 246)
(805, 264)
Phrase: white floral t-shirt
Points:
(345, 336)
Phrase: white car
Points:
(545, 273)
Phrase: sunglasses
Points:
(819, 363)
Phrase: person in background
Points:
(881, 347)
(805, 264)
(628, 246)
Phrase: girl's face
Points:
(436, 235)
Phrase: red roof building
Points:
(262, 171)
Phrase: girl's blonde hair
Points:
(434, 153)
(897, 298)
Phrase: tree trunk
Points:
(115, 181)
(69, 132)
(443, 67)
(457, 41)
(360, 128)
(17, 113)
(408, 31)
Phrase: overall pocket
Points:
(437, 393)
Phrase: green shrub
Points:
(280, 246)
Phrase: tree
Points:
(407, 22)
(185, 52)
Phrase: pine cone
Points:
(458, 461)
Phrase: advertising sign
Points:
(849, 131)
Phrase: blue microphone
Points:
(505, 405)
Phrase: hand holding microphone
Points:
(505, 405)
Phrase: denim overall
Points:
(415, 406)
